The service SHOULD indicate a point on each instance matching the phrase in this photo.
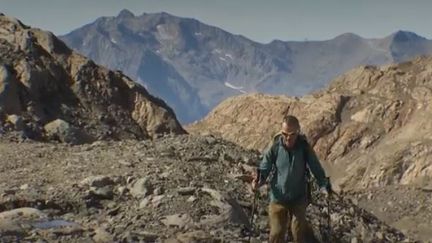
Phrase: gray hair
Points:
(291, 121)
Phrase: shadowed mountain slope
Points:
(47, 88)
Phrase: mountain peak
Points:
(348, 36)
(125, 13)
(163, 13)
(404, 36)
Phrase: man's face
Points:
(289, 134)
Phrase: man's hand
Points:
(255, 181)
(254, 185)
(324, 191)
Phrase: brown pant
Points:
(279, 217)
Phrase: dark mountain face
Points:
(190, 65)
(194, 66)
(50, 92)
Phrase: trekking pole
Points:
(330, 193)
(254, 206)
(328, 218)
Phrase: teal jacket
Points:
(288, 182)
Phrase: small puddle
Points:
(56, 223)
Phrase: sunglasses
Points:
(291, 134)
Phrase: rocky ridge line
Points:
(47, 91)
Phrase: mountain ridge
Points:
(46, 86)
(207, 58)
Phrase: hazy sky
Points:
(259, 20)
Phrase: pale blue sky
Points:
(259, 20)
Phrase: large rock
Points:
(141, 187)
(42, 80)
(21, 214)
(9, 99)
(16, 121)
(66, 133)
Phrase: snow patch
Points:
(223, 55)
(198, 33)
(238, 88)
(140, 81)
(164, 32)
(229, 56)
(222, 59)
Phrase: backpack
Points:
(308, 178)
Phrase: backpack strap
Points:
(307, 176)
(305, 144)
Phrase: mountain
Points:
(49, 91)
(194, 66)
(191, 65)
(174, 187)
(371, 128)
(381, 112)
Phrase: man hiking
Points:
(288, 160)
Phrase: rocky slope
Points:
(383, 111)
(47, 91)
(194, 66)
(371, 126)
(172, 189)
